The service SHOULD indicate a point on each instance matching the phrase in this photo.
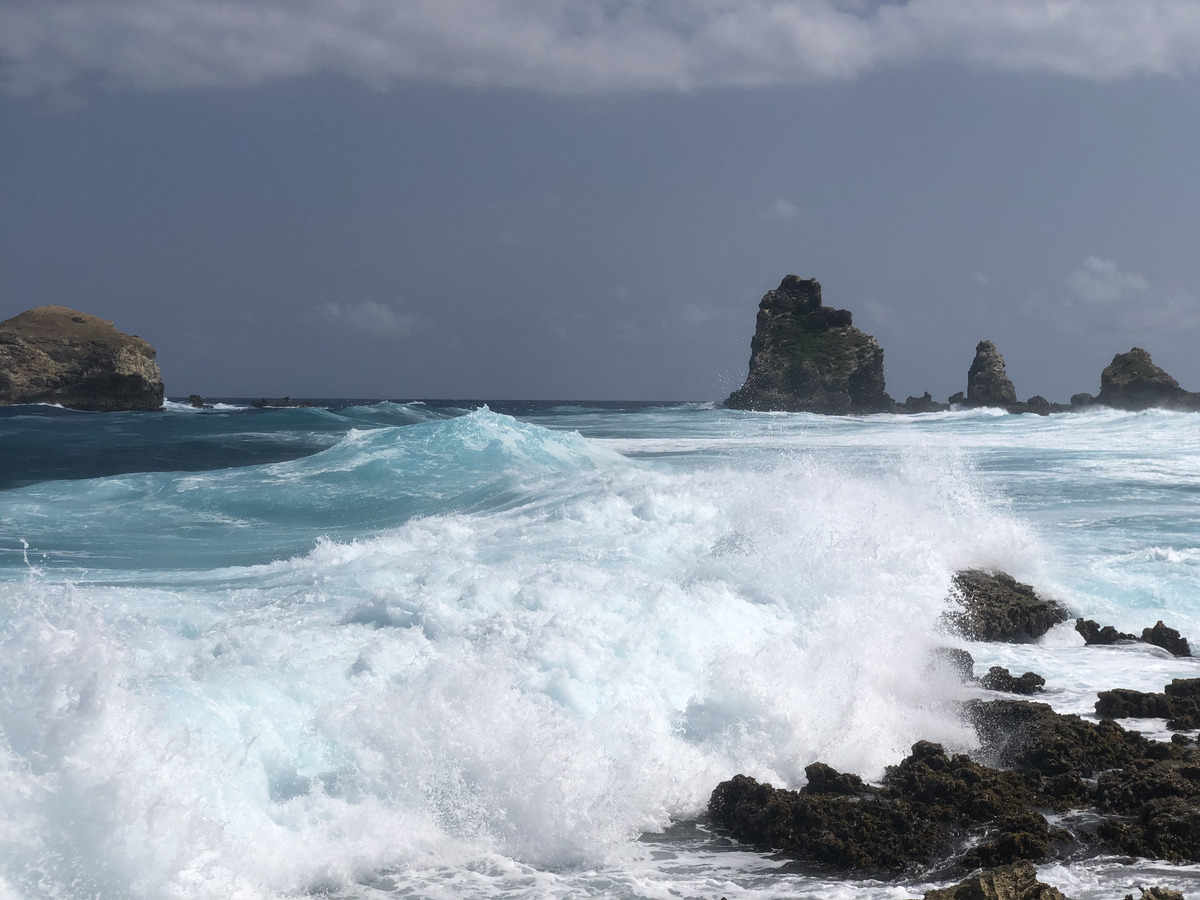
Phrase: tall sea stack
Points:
(54, 354)
(806, 357)
(987, 382)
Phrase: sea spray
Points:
(575, 658)
(473, 656)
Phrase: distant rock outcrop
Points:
(53, 354)
(923, 404)
(987, 382)
(1131, 381)
(806, 357)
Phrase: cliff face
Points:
(1132, 381)
(54, 354)
(806, 357)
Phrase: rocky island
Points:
(55, 354)
(806, 357)
(1133, 381)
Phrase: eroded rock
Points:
(1167, 638)
(987, 382)
(924, 809)
(1132, 381)
(806, 357)
(54, 354)
(994, 606)
(1092, 633)
(1017, 881)
(1000, 679)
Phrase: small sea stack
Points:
(1132, 381)
(987, 382)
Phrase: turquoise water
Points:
(431, 650)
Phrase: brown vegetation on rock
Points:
(54, 354)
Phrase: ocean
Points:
(417, 650)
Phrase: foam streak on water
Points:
(474, 655)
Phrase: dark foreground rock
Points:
(806, 357)
(1179, 704)
(1167, 638)
(994, 606)
(1092, 633)
(1160, 636)
(1000, 679)
(1132, 381)
(54, 354)
(923, 811)
(936, 811)
(1013, 882)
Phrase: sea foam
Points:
(553, 650)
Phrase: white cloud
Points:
(1105, 299)
(382, 319)
(574, 46)
(781, 210)
(1099, 281)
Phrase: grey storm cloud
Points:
(574, 46)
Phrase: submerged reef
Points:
(54, 354)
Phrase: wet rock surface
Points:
(807, 357)
(941, 812)
(1093, 633)
(1179, 704)
(1160, 636)
(1017, 881)
(1000, 679)
(918, 817)
(994, 606)
(1167, 638)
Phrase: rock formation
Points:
(1000, 679)
(994, 606)
(923, 404)
(1131, 381)
(1013, 882)
(53, 354)
(1092, 633)
(987, 382)
(806, 357)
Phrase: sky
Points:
(586, 199)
